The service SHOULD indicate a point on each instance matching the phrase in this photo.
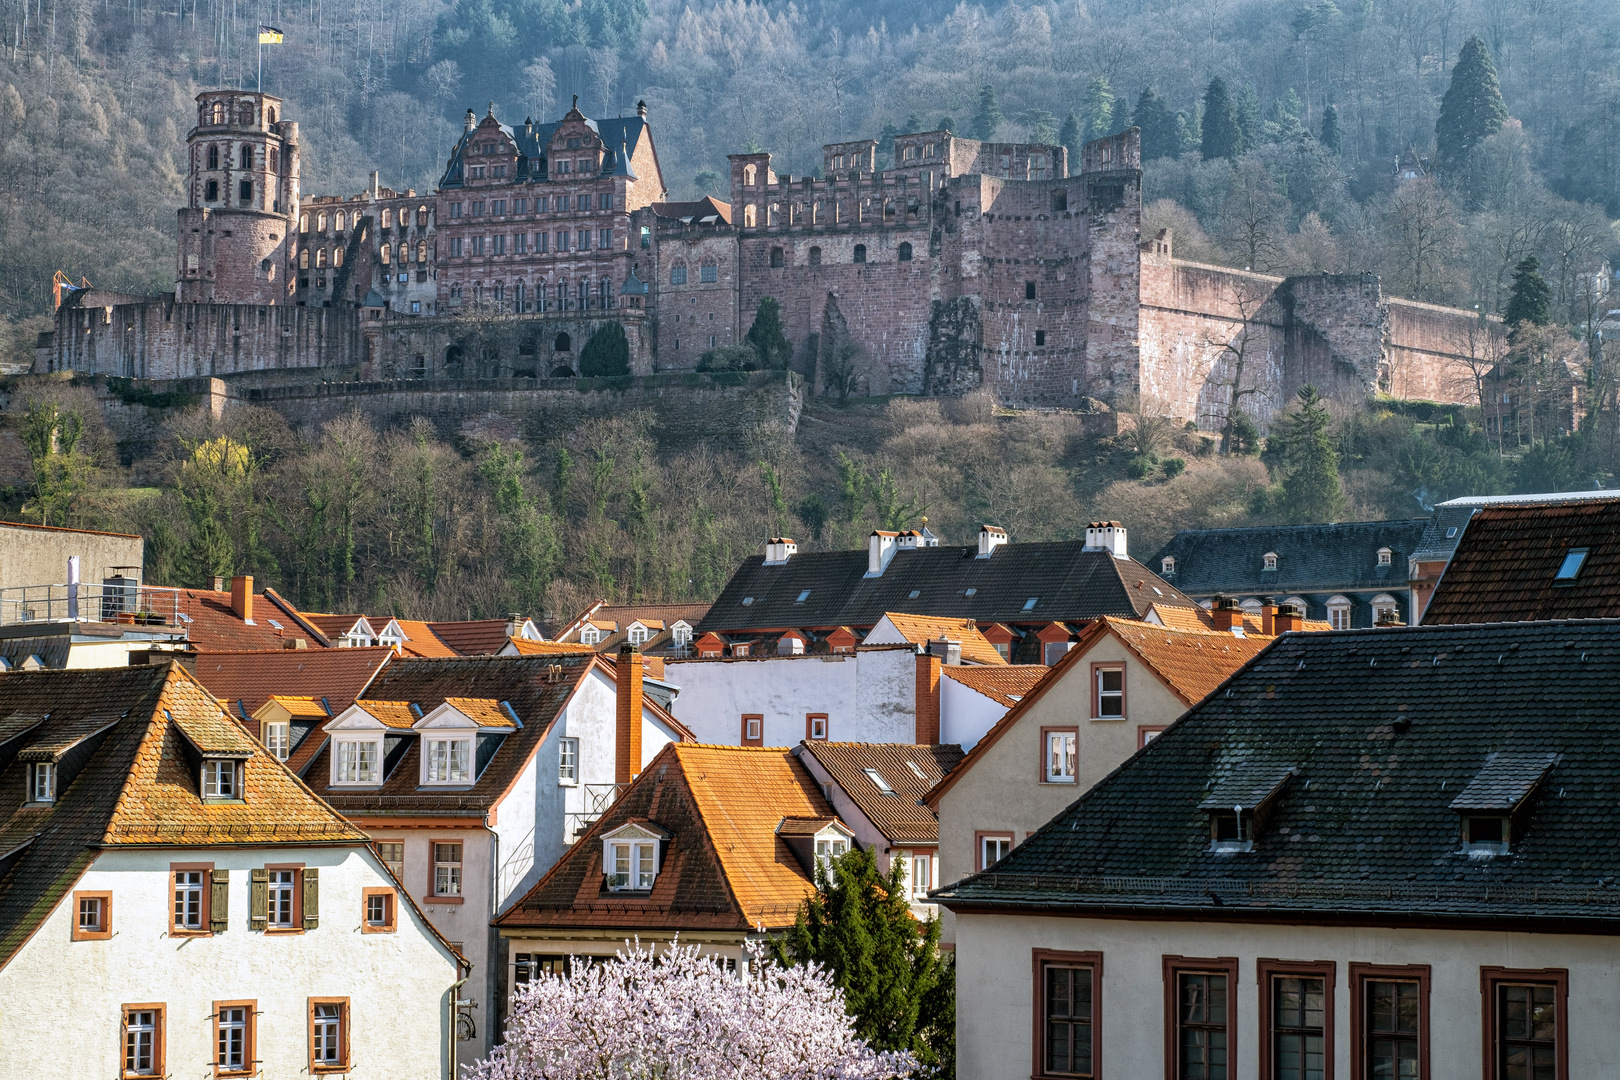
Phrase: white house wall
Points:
(868, 696)
(996, 987)
(964, 713)
(63, 998)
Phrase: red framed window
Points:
(1200, 1018)
(1389, 1021)
(1526, 1033)
(753, 729)
(1068, 1014)
(1296, 1019)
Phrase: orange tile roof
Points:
(1192, 663)
(485, 712)
(215, 626)
(1199, 618)
(420, 640)
(473, 637)
(1004, 685)
(525, 647)
(921, 629)
(298, 706)
(394, 714)
(245, 680)
(333, 626)
(901, 817)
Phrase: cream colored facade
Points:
(996, 987)
(61, 1000)
(1004, 791)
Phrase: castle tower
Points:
(237, 229)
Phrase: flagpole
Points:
(261, 63)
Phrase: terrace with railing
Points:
(119, 600)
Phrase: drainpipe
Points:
(450, 1071)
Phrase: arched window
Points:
(605, 290)
(421, 215)
(320, 258)
(213, 157)
(320, 221)
(303, 223)
(455, 291)
(382, 253)
(421, 252)
(247, 156)
(498, 291)
(244, 191)
(1167, 565)
(219, 112)
(1268, 561)
(860, 253)
(338, 221)
(677, 274)
(518, 292)
(337, 256)
(709, 271)
(749, 173)
(542, 290)
(748, 216)
(1338, 608)
(303, 259)
(905, 252)
(562, 343)
(584, 293)
(776, 256)
(815, 256)
(478, 291)
(270, 115)
(562, 296)
(211, 192)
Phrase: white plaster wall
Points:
(60, 999)
(964, 713)
(868, 696)
(996, 985)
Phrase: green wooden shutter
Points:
(219, 900)
(312, 898)
(259, 899)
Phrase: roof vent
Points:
(779, 549)
(1107, 536)
(990, 538)
(880, 549)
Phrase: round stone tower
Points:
(241, 202)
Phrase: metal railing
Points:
(118, 601)
(598, 797)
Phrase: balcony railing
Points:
(598, 797)
(125, 601)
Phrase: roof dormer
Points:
(1237, 804)
(1493, 802)
(459, 738)
(631, 855)
(816, 841)
(362, 736)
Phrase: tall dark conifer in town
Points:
(988, 118)
(1531, 299)
(1472, 109)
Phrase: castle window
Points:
(213, 157)
(244, 191)
(320, 221)
(388, 219)
(382, 253)
(562, 203)
(303, 259)
(219, 112)
(1040, 338)
(455, 247)
(303, 223)
(677, 274)
(247, 157)
(455, 210)
(905, 252)
(421, 215)
(562, 342)
(562, 166)
(646, 237)
(320, 258)
(1060, 200)
(709, 272)
(860, 253)
(421, 252)
(776, 256)
(748, 217)
(338, 221)
(337, 256)
(606, 290)
(211, 192)
(498, 292)
(1029, 290)
(815, 256)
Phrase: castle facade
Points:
(965, 264)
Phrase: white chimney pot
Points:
(1107, 536)
(881, 549)
(990, 538)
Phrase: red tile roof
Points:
(338, 675)
(476, 637)
(1003, 685)
(900, 817)
(215, 626)
(420, 640)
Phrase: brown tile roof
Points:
(696, 210)
(249, 678)
(334, 626)
(475, 637)
(921, 629)
(1004, 685)
(420, 640)
(614, 621)
(215, 626)
(901, 817)
(1200, 618)
(1506, 565)
(725, 866)
(134, 785)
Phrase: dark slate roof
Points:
(620, 135)
(1069, 581)
(1443, 532)
(51, 642)
(1505, 781)
(1386, 728)
(1310, 558)
(1506, 565)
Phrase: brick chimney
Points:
(1268, 616)
(1226, 613)
(242, 597)
(627, 728)
(1289, 619)
(927, 731)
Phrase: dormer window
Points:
(1237, 804)
(1490, 801)
(1167, 565)
(829, 849)
(1486, 834)
(1268, 561)
(1570, 568)
(638, 634)
(221, 778)
(42, 782)
(355, 761)
(1385, 556)
(681, 634)
(448, 761)
(630, 856)
(590, 636)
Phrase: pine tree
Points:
(1222, 137)
(1099, 108)
(946, 123)
(1332, 138)
(860, 928)
(607, 353)
(988, 118)
(1311, 491)
(1531, 299)
(766, 335)
(1472, 109)
(1069, 135)
(1160, 138)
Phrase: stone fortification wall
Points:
(1430, 350)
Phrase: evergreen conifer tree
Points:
(988, 118)
(1311, 490)
(1472, 109)
(1221, 136)
(860, 928)
(947, 123)
(1159, 136)
(607, 353)
(766, 335)
(1099, 108)
(1531, 299)
(1069, 135)
(1332, 138)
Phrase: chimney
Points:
(948, 651)
(1289, 619)
(1107, 536)
(514, 624)
(1226, 613)
(242, 597)
(880, 550)
(627, 729)
(376, 188)
(990, 538)
(927, 729)
(641, 109)
(1268, 616)
(779, 549)
(219, 583)
(1389, 618)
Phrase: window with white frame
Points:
(922, 876)
(392, 854)
(590, 635)
(188, 899)
(632, 865)
(1385, 556)
(1110, 703)
(278, 739)
(446, 869)
(638, 635)
(233, 1021)
(141, 1034)
(279, 909)
(449, 761)
(356, 761)
(568, 761)
(42, 782)
(829, 849)
(221, 778)
(327, 1037)
(681, 634)
(1338, 609)
(1268, 561)
(993, 847)
(1167, 565)
(1060, 757)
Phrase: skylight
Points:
(1451, 533)
(1029, 604)
(747, 600)
(915, 771)
(913, 594)
(970, 592)
(877, 779)
(1571, 568)
(275, 624)
(803, 597)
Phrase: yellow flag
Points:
(269, 35)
